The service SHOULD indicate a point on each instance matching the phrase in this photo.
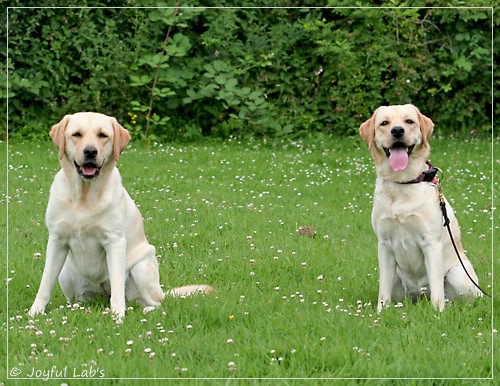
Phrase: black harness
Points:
(428, 175)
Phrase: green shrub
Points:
(261, 71)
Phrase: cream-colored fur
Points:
(97, 244)
(415, 253)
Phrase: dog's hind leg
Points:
(457, 283)
(146, 283)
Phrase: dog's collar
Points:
(428, 175)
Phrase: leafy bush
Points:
(171, 74)
(67, 59)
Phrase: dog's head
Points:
(398, 138)
(89, 141)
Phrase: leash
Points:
(442, 203)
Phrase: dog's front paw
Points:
(118, 309)
(118, 313)
(36, 309)
(438, 304)
(382, 303)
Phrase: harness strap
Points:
(428, 175)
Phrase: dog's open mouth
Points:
(399, 155)
(88, 170)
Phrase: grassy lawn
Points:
(286, 306)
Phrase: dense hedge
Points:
(258, 71)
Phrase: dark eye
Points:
(410, 121)
(102, 135)
(384, 123)
(77, 134)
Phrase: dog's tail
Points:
(190, 290)
(181, 292)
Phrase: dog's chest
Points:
(89, 257)
(405, 216)
(84, 209)
(68, 217)
(86, 235)
(397, 212)
(407, 220)
(399, 230)
(406, 206)
(73, 222)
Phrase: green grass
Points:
(226, 214)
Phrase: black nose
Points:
(90, 152)
(397, 131)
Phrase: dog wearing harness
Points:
(416, 255)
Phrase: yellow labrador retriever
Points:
(96, 240)
(415, 253)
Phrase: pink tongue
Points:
(398, 159)
(89, 170)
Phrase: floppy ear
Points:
(57, 134)
(426, 126)
(367, 130)
(121, 138)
